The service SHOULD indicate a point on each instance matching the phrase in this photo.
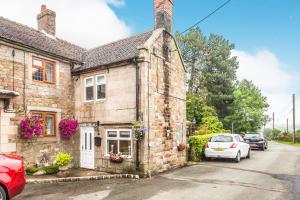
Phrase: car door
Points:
(241, 145)
(245, 145)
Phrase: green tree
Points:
(192, 47)
(211, 68)
(194, 108)
(248, 108)
(218, 75)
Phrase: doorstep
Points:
(77, 175)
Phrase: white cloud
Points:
(273, 78)
(85, 23)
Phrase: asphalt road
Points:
(273, 174)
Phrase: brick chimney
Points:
(163, 13)
(46, 20)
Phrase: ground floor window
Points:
(119, 141)
(49, 122)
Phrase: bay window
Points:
(119, 141)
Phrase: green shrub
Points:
(31, 170)
(197, 144)
(62, 159)
(52, 169)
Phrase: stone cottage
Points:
(107, 89)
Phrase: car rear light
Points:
(206, 146)
(234, 145)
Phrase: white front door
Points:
(87, 152)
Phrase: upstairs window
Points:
(43, 70)
(100, 82)
(89, 88)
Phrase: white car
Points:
(227, 146)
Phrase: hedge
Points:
(197, 143)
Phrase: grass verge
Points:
(289, 143)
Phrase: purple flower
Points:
(68, 127)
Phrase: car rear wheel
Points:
(2, 194)
(263, 148)
(249, 154)
(238, 157)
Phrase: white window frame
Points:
(96, 88)
(85, 86)
(118, 138)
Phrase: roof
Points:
(114, 52)
(104, 55)
(19, 33)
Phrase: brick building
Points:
(107, 89)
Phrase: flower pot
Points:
(181, 147)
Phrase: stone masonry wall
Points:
(58, 97)
(166, 106)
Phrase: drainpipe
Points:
(13, 55)
(24, 86)
(137, 105)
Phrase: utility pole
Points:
(287, 125)
(232, 127)
(294, 119)
(273, 119)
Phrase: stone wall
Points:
(167, 94)
(58, 97)
(116, 111)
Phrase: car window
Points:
(252, 136)
(241, 139)
(237, 138)
(221, 138)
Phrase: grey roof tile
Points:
(114, 52)
(104, 55)
(25, 35)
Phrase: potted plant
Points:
(31, 127)
(63, 161)
(181, 147)
(68, 128)
(139, 130)
(115, 158)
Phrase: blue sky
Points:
(250, 24)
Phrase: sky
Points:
(266, 34)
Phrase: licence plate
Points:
(218, 149)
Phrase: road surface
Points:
(273, 174)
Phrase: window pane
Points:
(37, 74)
(37, 62)
(125, 147)
(125, 134)
(100, 91)
(89, 91)
(100, 79)
(37, 115)
(49, 124)
(89, 81)
(112, 134)
(112, 146)
(49, 72)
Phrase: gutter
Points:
(31, 49)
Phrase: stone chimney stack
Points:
(163, 13)
(46, 20)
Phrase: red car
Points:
(12, 176)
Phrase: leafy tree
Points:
(194, 105)
(211, 68)
(249, 107)
(218, 75)
(209, 121)
(192, 47)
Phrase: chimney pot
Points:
(43, 8)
